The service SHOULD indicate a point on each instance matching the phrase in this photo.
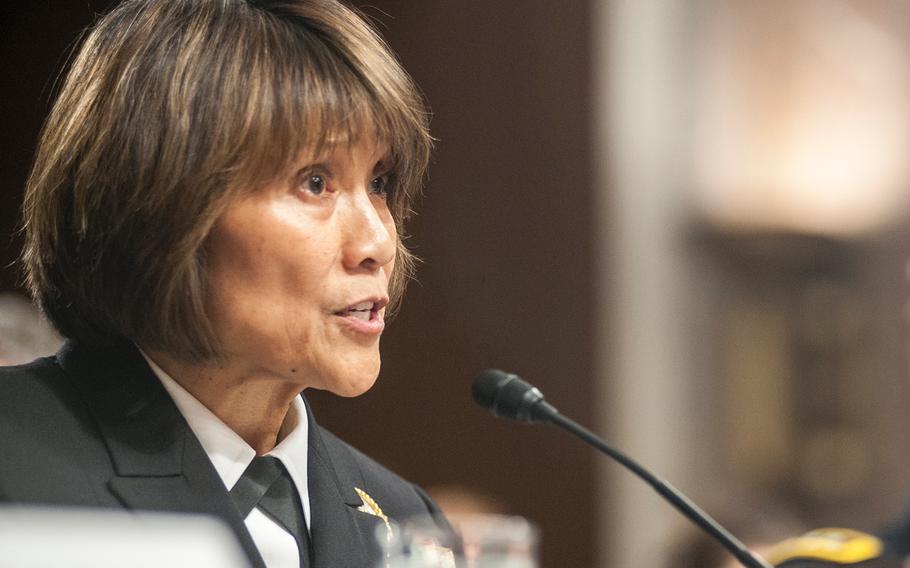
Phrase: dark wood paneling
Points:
(505, 231)
(34, 45)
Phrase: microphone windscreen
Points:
(508, 396)
(486, 386)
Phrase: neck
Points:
(257, 406)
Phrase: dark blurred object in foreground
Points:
(24, 333)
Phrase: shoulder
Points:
(47, 433)
(27, 391)
(397, 497)
(40, 395)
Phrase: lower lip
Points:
(372, 326)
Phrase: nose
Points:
(370, 240)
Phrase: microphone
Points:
(508, 396)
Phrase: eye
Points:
(313, 183)
(380, 186)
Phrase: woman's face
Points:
(299, 272)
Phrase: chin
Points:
(352, 380)
(351, 389)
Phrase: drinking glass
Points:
(479, 541)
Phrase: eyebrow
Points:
(384, 165)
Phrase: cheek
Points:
(233, 245)
(389, 269)
(393, 234)
(235, 270)
(244, 281)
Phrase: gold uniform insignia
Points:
(371, 507)
(435, 554)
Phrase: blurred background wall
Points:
(755, 192)
(685, 221)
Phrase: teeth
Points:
(361, 315)
(362, 306)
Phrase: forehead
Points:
(364, 145)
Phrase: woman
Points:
(214, 221)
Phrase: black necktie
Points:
(267, 484)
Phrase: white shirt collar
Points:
(228, 452)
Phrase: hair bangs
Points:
(308, 97)
(170, 109)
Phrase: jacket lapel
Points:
(158, 463)
(342, 535)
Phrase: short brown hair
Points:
(172, 107)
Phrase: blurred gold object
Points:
(838, 546)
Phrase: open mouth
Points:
(368, 310)
(363, 311)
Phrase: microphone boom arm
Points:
(508, 396)
(667, 491)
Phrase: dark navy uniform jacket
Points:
(95, 428)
